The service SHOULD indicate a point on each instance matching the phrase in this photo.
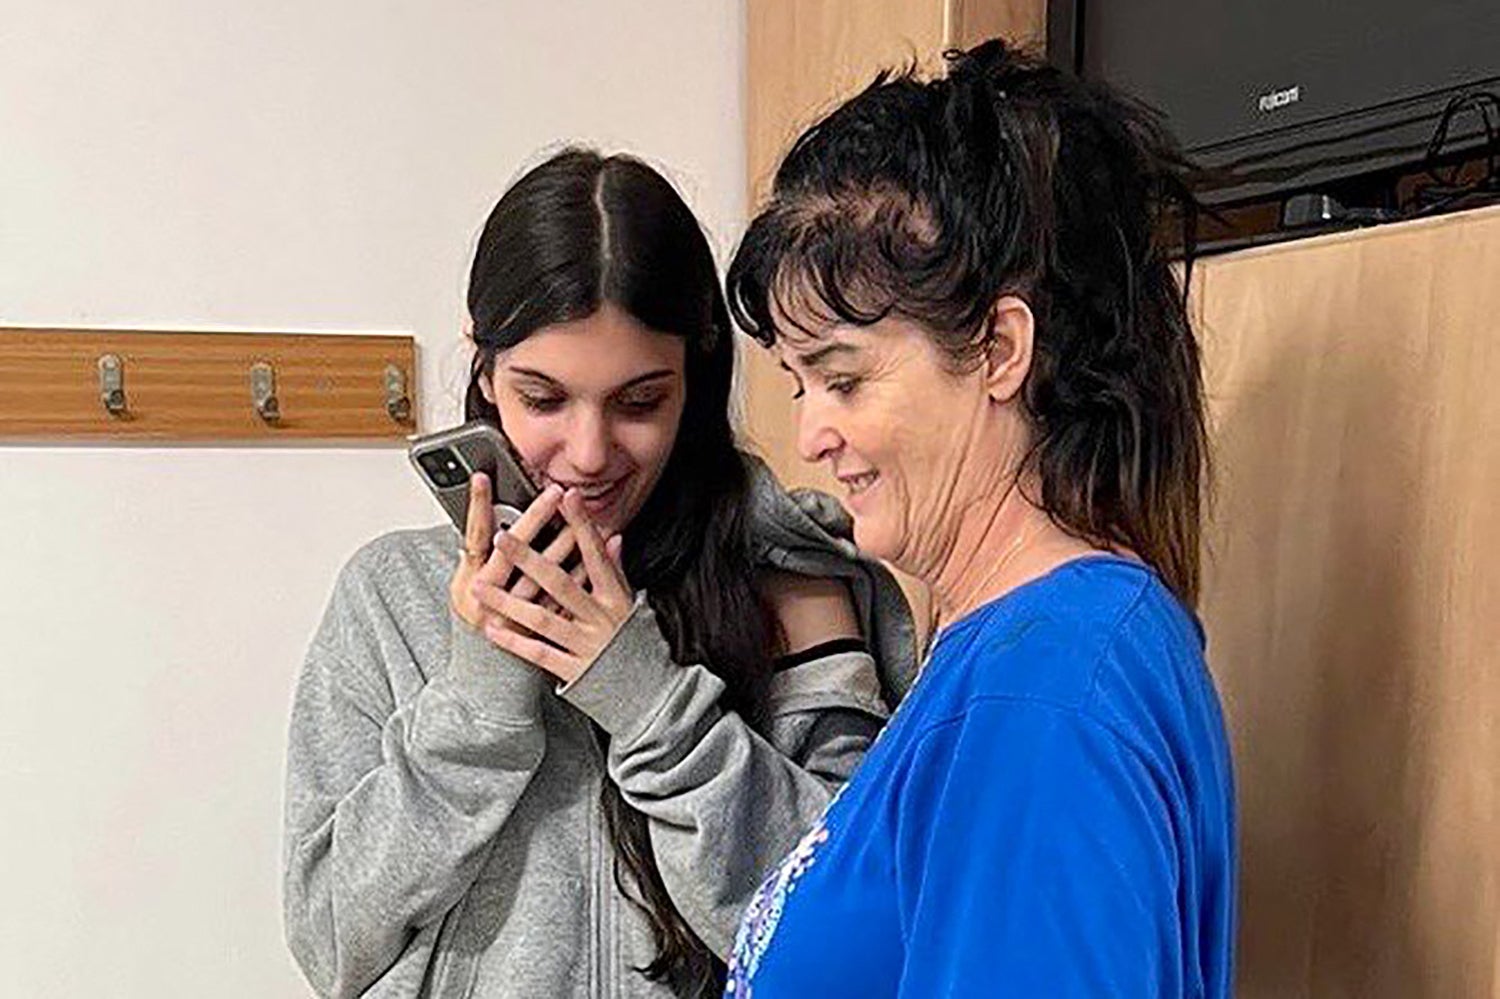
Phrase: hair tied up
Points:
(1010, 176)
(987, 63)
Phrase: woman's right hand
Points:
(481, 560)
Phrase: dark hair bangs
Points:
(802, 270)
(853, 258)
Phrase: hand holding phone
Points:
(448, 459)
(579, 613)
(477, 477)
(480, 561)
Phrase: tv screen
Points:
(1282, 95)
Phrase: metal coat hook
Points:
(112, 384)
(263, 391)
(397, 401)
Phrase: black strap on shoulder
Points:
(829, 648)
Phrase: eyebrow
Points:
(813, 358)
(650, 376)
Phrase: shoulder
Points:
(1063, 639)
(808, 610)
(392, 588)
(1097, 654)
(797, 522)
(386, 620)
(400, 559)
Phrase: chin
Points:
(872, 540)
(620, 517)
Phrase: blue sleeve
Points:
(1035, 856)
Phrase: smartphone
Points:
(447, 459)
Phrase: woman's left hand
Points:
(587, 614)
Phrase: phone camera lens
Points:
(443, 467)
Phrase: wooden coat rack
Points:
(62, 385)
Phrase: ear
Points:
(1008, 359)
(486, 382)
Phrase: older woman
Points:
(965, 280)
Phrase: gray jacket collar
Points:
(809, 532)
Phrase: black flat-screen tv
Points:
(1277, 96)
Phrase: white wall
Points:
(265, 165)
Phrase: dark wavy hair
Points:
(573, 233)
(930, 199)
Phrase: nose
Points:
(817, 436)
(587, 447)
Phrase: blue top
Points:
(1049, 813)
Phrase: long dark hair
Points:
(574, 233)
(931, 199)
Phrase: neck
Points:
(993, 552)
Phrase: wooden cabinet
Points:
(1352, 604)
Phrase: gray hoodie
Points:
(443, 833)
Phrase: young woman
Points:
(966, 279)
(569, 784)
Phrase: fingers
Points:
(590, 545)
(529, 615)
(539, 513)
(557, 618)
(551, 577)
(578, 574)
(604, 571)
(563, 665)
(527, 589)
(479, 523)
(558, 551)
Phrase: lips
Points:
(598, 497)
(597, 490)
(857, 484)
(588, 490)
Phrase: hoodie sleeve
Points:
(390, 812)
(724, 803)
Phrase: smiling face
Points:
(594, 404)
(914, 444)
